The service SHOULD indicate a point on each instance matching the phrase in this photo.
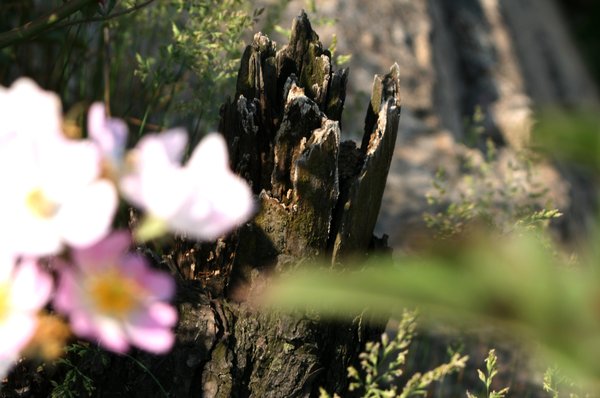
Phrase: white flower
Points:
(51, 191)
(27, 111)
(203, 199)
(24, 290)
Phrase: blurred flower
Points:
(203, 199)
(110, 135)
(24, 290)
(27, 111)
(51, 191)
(114, 297)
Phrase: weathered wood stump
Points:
(319, 199)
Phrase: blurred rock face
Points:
(470, 70)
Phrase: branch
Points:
(42, 24)
(106, 17)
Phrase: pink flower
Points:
(52, 193)
(203, 199)
(24, 290)
(110, 135)
(116, 298)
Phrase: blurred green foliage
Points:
(570, 136)
(501, 195)
(558, 385)
(511, 282)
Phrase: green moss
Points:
(314, 69)
(287, 348)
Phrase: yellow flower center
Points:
(71, 129)
(115, 294)
(4, 299)
(131, 161)
(40, 205)
(108, 171)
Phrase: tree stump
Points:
(318, 201)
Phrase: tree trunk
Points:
(319, 200)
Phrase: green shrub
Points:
(498, 193)
(382, 364)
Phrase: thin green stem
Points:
(144, 119)
(149, 373)
(106, 58)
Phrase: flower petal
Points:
(65, 167)
(104, 253)
(68, 293)
(108, 133)
(172, 142)
(86, 217)
(147, 330)
(31, 287)
(110, 334)
(82, 324)
(164, 191)
(16, 330)
(216, 211)
(156, 183)
(15, 112)
(210, 154)
(34, 237)
(160, 285)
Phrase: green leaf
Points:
(512, 281)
